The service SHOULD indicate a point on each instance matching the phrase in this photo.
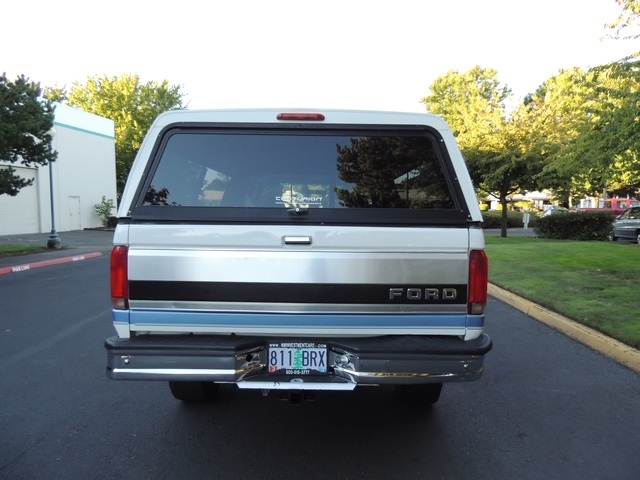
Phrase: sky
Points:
(358, 54)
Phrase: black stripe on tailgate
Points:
(298, 293)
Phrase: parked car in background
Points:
(553, 209)
(613, 205)
(627, 225)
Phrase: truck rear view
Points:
(298, 251)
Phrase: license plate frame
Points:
(297, 358)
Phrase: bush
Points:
(104, 209)
(575, 226)
(493, 219)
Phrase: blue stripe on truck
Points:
(153, 317)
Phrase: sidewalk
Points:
(511, 232)
(78, 238)
(73, 244)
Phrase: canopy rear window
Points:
(309, 172)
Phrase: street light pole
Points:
(54, 239)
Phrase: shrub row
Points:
(575, 226)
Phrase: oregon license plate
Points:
(298, 358)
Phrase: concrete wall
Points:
(84, 171)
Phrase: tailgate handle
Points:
(291, 240)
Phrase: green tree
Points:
(491, 140)
(554, 114)
(586, 128)
(132, 105)
(627, 23)
(609, 139)
(56, 94)
(26, 121)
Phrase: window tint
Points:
(284, 170)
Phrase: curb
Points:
(618, 351)
(45, 263)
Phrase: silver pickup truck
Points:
(298, 251)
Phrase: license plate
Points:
(298, 358)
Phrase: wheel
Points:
(193, 392)
(418, 395)
(638, 237)
(612, 237)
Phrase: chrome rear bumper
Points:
(387, 360)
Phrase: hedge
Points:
(575, 226)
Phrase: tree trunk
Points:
(503, 221)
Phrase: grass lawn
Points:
(595, 283)
(9, 250)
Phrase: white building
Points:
(538, 199)
(83, 173)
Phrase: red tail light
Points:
(309, 117)
(478, 279)
(119, 277)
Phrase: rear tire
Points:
(193, 392)
(419, 395)
(638, 237)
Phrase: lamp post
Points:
(54, 239)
